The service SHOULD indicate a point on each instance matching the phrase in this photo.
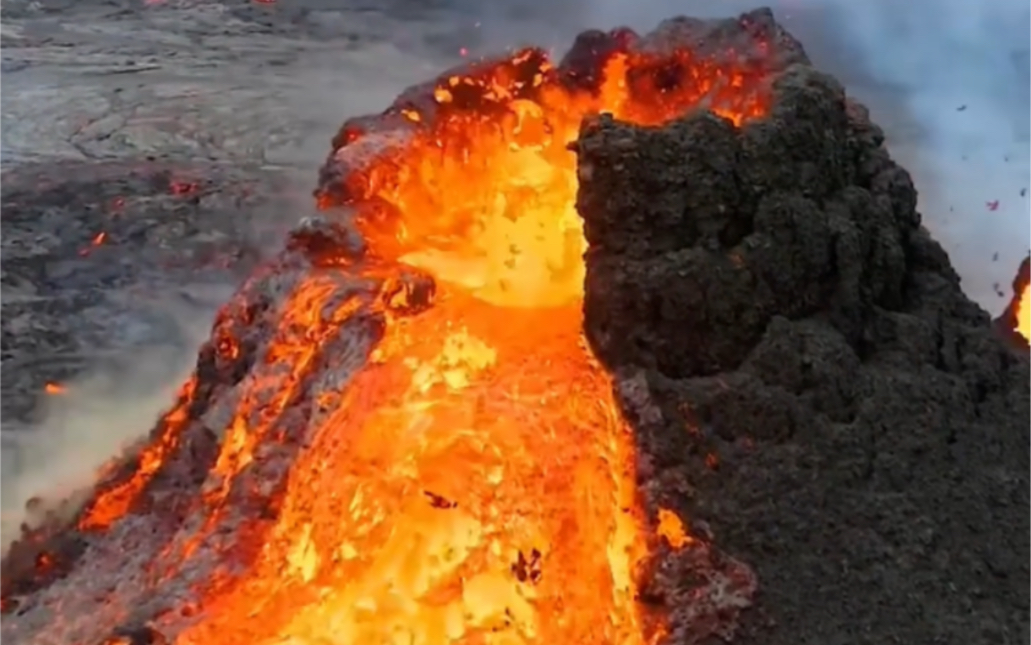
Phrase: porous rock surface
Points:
(833, 408)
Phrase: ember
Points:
(55, 388)
(405, 439)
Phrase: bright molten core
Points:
(1023, 313)
(484, 197)
(475, 483)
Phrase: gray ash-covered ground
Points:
(840, 415)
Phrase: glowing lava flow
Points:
(1023, 313)
(474, 483)
(1016, 319)
(472, 486)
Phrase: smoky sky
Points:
(948, 80)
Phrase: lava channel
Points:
(474, 482)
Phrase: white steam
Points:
(965, 69)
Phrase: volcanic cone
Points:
(429, 420)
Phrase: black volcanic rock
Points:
(847, 421)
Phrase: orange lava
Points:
(474, 484)
(672, 530)
(1023, 313)
(114, 502)
(459, 494)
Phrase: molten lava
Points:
(1023, 312)
(471, 486)
(475, 482)
(1015, 321)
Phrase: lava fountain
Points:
(400, 436)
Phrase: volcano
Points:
(484, 395)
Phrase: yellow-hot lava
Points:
(1023, 312)
(472, 486)
(474, 483)
(1017, 316)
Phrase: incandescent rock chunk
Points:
(847, 420)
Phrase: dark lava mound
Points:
(800, 361)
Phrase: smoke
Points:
(962, 67)
(94, 419)
(948, 80)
